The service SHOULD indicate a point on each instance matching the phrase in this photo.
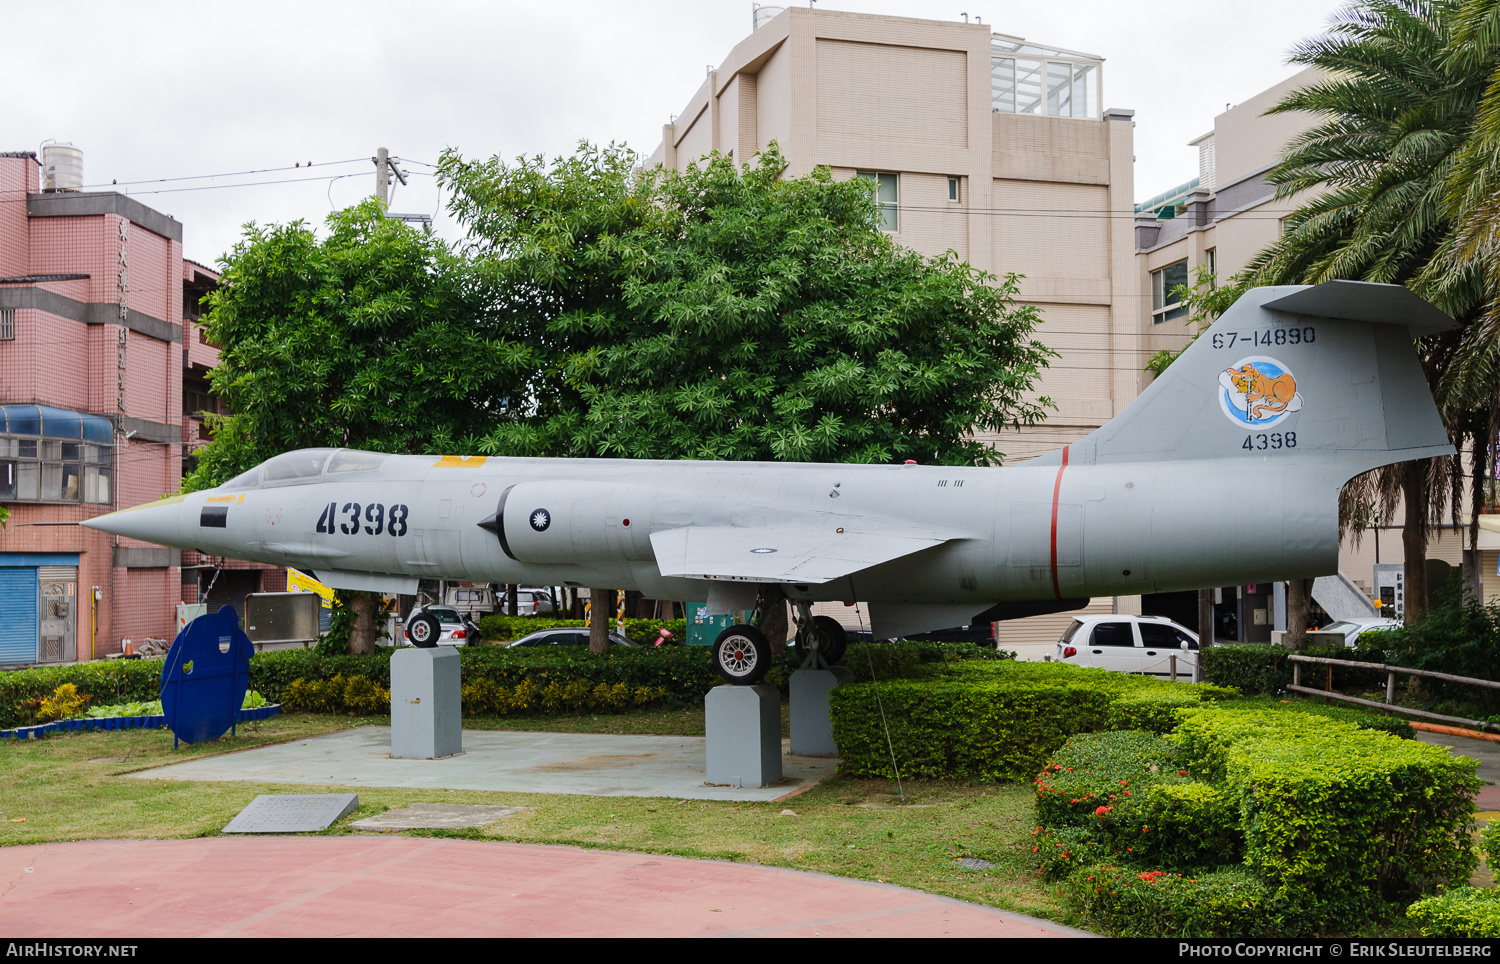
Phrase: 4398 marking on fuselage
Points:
(378, 519)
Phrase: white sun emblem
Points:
(540, 520)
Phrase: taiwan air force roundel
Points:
(541, 519)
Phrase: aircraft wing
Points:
(795, 554)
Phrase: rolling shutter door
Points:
(18, 615)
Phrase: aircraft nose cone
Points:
(153, 522)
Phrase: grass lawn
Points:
(72, 787)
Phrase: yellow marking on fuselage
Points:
(169, 500)
(459, 462)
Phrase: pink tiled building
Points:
(102, 392)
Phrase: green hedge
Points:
(1330, 825)
(1464, 912)
(996, 720)
(1229, 902)
(1126, 797)
(1253, 670)
(104, 681)
(1352, 816)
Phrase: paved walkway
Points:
(390, 886)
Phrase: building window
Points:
(7, 324)
(953, 189)
(1027, 79)
(1165, 304)
(1212, 256)
(52, 455)
(886, 194)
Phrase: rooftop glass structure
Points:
(1029, 79)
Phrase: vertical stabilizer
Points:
(1327, 371)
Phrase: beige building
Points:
(977, 142)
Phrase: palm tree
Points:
(1396, 109)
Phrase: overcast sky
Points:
(151, 90)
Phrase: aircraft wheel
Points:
(424, 631)
(832, 640)
(741, 655)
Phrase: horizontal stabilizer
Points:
(1365, 301)
(789, 554)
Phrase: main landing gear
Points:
(742, 654)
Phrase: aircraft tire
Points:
(424, 631)
(832, 640)
(741, 655)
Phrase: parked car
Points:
(439, 626)
(1351, 629)
(531, 602)
(566, 637)
(1130, 644)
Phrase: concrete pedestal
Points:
(744, 735)
(426, 711)
(812, 726)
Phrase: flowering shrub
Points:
(1328, 823)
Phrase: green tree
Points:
(728, 313)
(372, 337)
(1395, 108)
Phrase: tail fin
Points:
(1328, 370)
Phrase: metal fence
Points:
(1389, 705)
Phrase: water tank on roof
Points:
(764, 15)
(62, 167)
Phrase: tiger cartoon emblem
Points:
(1258, 391)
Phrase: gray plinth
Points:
(426, 712)
(293, 812)
(744, 735)
(812, 727)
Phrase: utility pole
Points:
(382, 161)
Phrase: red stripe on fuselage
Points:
(1056, 493)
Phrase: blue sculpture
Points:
(205, 677)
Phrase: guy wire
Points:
(883, 725)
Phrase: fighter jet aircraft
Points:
(1226, 470)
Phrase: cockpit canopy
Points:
(306, 465)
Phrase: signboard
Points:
(297, 581)
(1390, 589)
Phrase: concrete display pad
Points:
(586, 763)
(426, 710)
(812, 726)
(436, 816)
(744, 735)
(293, 812)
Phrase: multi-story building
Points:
(95, 301)
(988, 145)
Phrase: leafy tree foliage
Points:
(372, 338)
(728, 313)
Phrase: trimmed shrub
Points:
(106, 681)
(1251, 669)
(997, 720)
(1352, 816)
(1464, 912)
(1229, 902)
(1096, 770)
(1127, 796)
